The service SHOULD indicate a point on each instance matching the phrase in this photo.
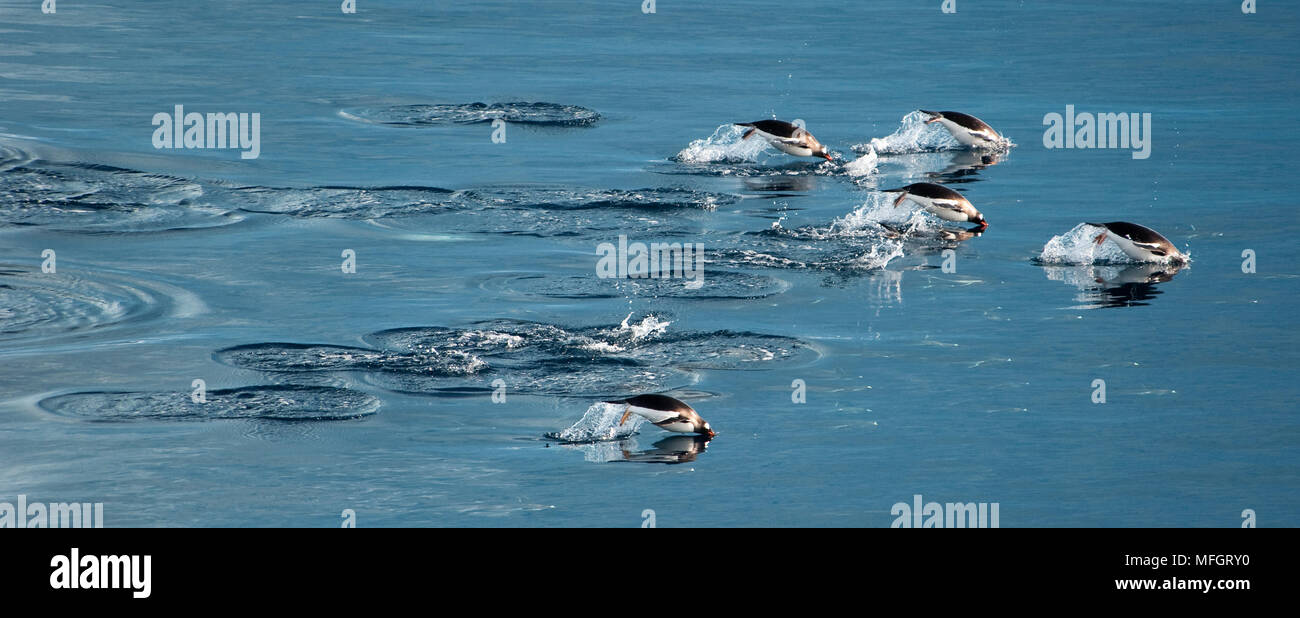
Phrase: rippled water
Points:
(518, 112)
(468, 161)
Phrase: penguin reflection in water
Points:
(670, 450)
(1135, 285)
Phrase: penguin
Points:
(665, 412)
(1139, 242)
(968, 130)
(940, 200)
(787, 138)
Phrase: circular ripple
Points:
(727, 350)
(281, 403)
(553, 376)
(37, 304)
(12, 156)
(530, 357)
(423, 115)
(484, 338)
(294, 357)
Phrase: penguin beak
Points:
(827, 156)
(901, 196)
(934, 118)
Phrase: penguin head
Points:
(818, 150)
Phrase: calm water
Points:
(972, 386)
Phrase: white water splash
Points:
(913, 135)
(878, 256)
(600, 423)
(724, 146)
(650, 325)
(879, 208)
(863, 165)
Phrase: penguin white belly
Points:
(1130, 249)
(948, 214)
(652, 415)
(792, 149)
(679, 427)
(940, 211)
(965, 136)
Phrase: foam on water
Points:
(649, 325)
(600, 423)
(518, 112)
(864, 165)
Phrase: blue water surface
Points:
(973, 383)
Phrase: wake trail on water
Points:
(434, 114)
